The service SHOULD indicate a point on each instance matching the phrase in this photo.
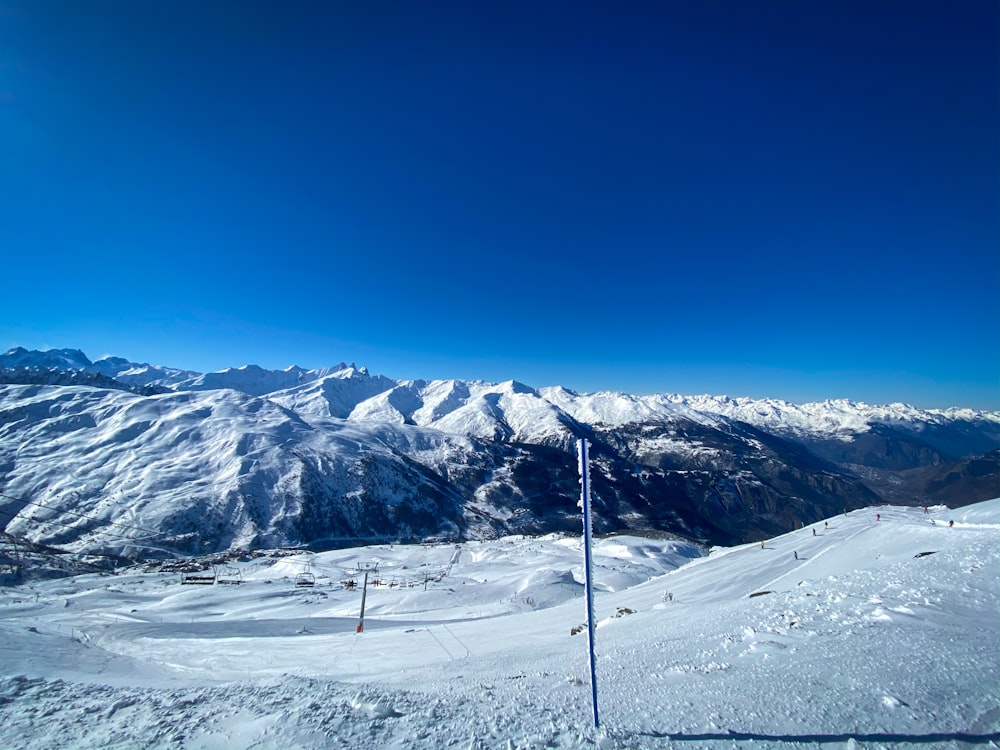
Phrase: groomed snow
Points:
(863, 641)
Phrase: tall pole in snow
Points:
(364, 593)
(367, 567)
(584, 454)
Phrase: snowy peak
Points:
(257, 381)
(74, 360)
(617, 409)
(831, 419)
(113, 365)
(508, 411)
(249, 379)
(516, 387)
(430, 402)
(332, 392)
(60, 359)
(438, 398)
(514, 411)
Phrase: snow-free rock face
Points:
(249, 457)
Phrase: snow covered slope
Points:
(835, 418)
(874, 629)
(428, 403)
(87, 468)
(249, 457)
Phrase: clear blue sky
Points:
(777, 198)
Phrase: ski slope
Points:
(863, 641)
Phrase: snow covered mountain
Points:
(74, 360)
(248, 457)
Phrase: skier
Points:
(796, 554)
(878, 516)
(814, 532)
(826, 525)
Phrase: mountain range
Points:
(129, 459)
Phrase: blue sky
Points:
(771, 198)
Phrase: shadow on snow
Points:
(917, 739)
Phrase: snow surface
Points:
(865, 640)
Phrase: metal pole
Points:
(588, 567)
(364, 593)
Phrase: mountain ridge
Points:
(831, 417)
(251, 457)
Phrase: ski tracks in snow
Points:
(811, 561)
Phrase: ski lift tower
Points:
(366, 568)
